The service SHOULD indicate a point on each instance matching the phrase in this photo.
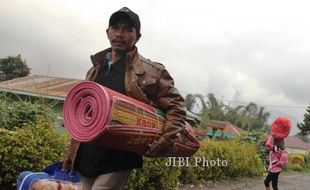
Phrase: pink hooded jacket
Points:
(277, 157)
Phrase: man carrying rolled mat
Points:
(122, 69)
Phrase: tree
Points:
(189, 101)
(305, 126)
(13, 67)
(252, 117)
(215, 108)
(249, 117)
(192, 100)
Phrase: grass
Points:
(296, 168)
(306, 169)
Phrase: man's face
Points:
(122, 35)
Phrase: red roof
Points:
(232, 129)
(200, 131)
(226, 126)
(36, 85)
(296, 142)
(52, 88)
(217, 124)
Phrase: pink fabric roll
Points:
(93, 113)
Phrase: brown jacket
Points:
(150, 83)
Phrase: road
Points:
(287, 181)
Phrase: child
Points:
(277, 157)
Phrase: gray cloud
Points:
(240, 51)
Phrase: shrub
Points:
(296, 162)
(154, 175)
(190, 174)
(298, 159)
(28, 149)
(293, 167)
(18, 113)
(231, 159)
(307, 159)
(259, 139)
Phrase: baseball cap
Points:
(127, 13)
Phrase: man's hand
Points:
(67, 165)
(69, 155)
(159, 148)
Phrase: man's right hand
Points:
(159, 148)
(69, 155)
(67, 165)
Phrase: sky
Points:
(242, 51)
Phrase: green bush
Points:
(214, 161)
(232, 160)
(35, 144)
(154, 175)
(307, 159)
(259, 139)
(30, 148)
(298, 159)
(191, 174)
(296, 162)
(293, 167)
(15, 114)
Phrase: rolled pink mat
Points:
(93, 113)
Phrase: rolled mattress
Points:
(96, 114)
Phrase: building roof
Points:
(296, 142)
(39, 86)
(226, 126)
(217, 124)
(232, 129)
(229, 130)
(53, 88)
(200, 131)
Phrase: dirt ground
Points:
(287, 181)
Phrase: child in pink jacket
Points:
(277, 157)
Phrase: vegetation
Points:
(296, 163)
(30, 148)
(307, 163)
(305, 126)
(13, 67)
(249, 117)
(15, 114)
(154, 175)
(214, 161)
(258, 139)
(29, 142)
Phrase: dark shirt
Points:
(93, 160)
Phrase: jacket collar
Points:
(99, 59)
(133, 62)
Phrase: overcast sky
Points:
(240, 50)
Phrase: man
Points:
(123, 69)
